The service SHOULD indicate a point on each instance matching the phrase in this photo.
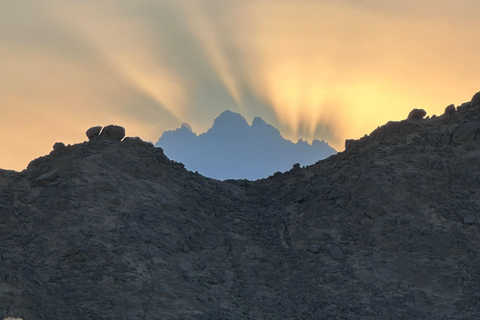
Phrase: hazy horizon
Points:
(330, 70)
(236, 149)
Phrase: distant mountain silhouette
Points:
(110, 228)
(232, 149)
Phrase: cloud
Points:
(366, 63)
(314, 69)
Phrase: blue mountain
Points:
(233, 149)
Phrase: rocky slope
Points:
(111, 229)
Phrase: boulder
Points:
(450, 109)
(93, 132)
(314, 248)
(336, 252)
(58, 146)
(46, 178)
(113, 132)
(475, 102)
(416, 114)
(466, 132)
(349, 143)
(463, 106)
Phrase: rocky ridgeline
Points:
(112, 229)
(443, 129)
(109, 132)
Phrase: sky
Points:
(330, 69)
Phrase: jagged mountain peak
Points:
(229, 121)
(186, 126)
(234, 149)
(258, 122)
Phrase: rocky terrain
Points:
(112, 229)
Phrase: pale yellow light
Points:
(126, 45)
(207, 38)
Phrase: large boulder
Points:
(349, 143)
(58, 146)
(416, 114)
(450, 109)
(466, 132)
(93, 132)
(463, 106)
(113, 132)
(475, 102)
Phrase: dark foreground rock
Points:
(112, 229)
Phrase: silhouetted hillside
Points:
(232, 149)
(110, 229)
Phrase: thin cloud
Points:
(315, 69)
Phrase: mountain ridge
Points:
(232, 148)
(387, 229)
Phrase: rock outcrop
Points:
(58, 146)
(450, 109)
(388, 229)
(93, 132)
(113, 132)
(466, 132)
(109, 132)
(416, 114)
(475, 102)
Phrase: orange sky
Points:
(314, 69)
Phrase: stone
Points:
(113, 132)
(349, 143)
(466, 132)
(469, 219)
(463, 106)
(475, 102)
(314, 248)
(336, 252)
(44, 179)
(93, 132)
(450, 109)
(416, 114)
(58, 146)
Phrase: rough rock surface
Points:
(416, 114)
(113, 132)
(466, 132)
(112, 229)
(93, 132)
(58, 146)
(475, 102)
(450, 109)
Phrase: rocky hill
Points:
(234, 149)
(110, 229)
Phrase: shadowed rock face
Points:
(93, 132)
(416, 114)
(113, 132)
(112, 229)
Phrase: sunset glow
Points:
(330, 70)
